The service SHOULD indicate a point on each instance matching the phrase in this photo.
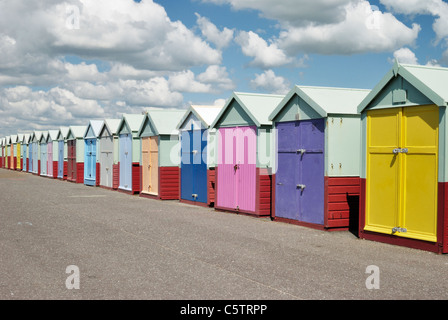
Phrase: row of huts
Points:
(328, 158)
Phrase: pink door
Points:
(237, 168)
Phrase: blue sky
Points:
(77, 60)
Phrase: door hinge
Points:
(398, 229)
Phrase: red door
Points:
(71, 158)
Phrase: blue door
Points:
(90, 162)
(30, 155)
(194, 166)
(61, 159)
(126, 161)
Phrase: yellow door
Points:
(19, 152)
(402, 163)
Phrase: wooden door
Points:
(402, 172)
(146, 163)
(154, 165)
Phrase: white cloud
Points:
(406, 56)
(293, 12)
(270, 82)
(218, 77)
(265, 55)
(185, 82)
(363, 30)
(220, 39)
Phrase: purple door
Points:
(299, 193)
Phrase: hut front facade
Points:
(244, 155)
(160, 154)
(129, 153)
(36, 136)
(43, 154)
(62, 153)
(197, 167)
(108, 157)
(75, 154)
(316, 180)
(404, 192)
(91, 153)
(52, 153)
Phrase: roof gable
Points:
(257, 107)
(431, 82)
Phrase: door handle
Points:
(400, 150)
(279, 183)
(301, 151)
(301, 186)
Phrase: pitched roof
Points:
(96, 126)
(430, 81)
(164, 121)
(53, 135)
(133, 121)
(63, 133)
(325, 100)
(257, 106)
(206, 114)
(77, 131)
(112, 125)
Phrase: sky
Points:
(67, 62)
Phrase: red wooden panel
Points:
(342, 201)
(264, 194)
(169, 186)
(136, 177)
(211, 186)
(65, 172)
(79, 172)
(116, 176)
(98, 174)
(38, 167)
(55, 169)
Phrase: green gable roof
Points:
(163, 122)
(205, 114)
(257, 106)
(432, 82)
(325, 100)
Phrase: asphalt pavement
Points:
(66, 241)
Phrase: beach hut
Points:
(43, 154)
(75, 154)
(91, 153)
(14, 148)
(160, 154)
(18, 152)
(243, 169)
(197, 166)
(109, 169)
(62, 153)
(35, 138)
(129, 153)
(404, 173)
(25, 152)
(316, 179)
(52, 153)
(2, 158)
(8, 152)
